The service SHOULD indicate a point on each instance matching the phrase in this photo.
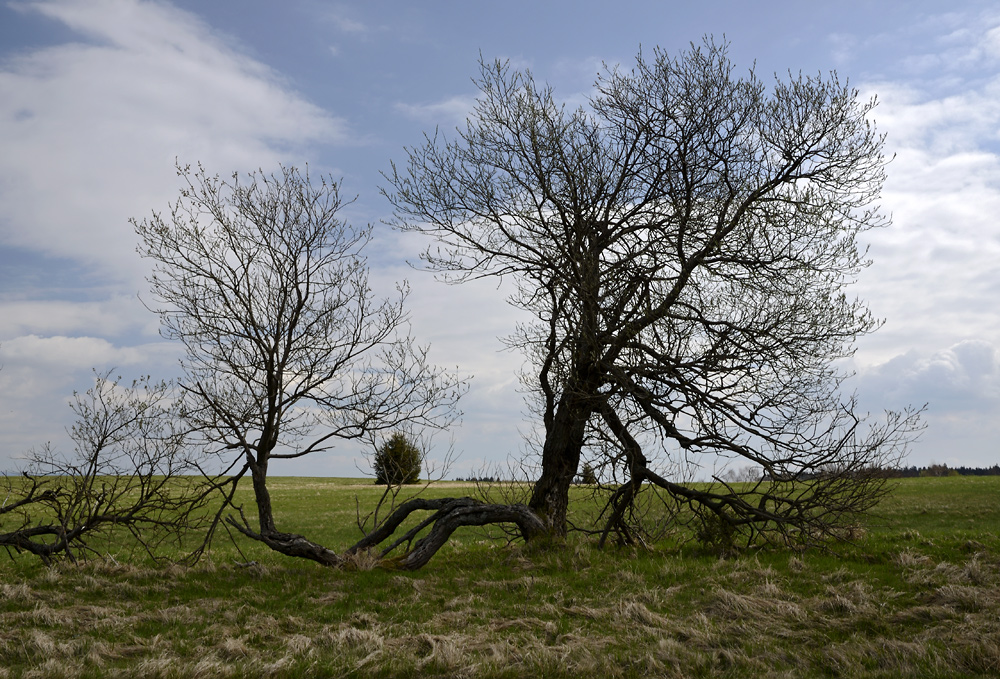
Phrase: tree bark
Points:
(560, 459)
(384, 530)
(476, 515)
(258, 472)
(289, 544)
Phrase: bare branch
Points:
(684, 243)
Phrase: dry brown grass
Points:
(918, 606)
(362, 560)
(734, 631)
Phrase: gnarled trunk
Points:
(258, 472)
(560, 459)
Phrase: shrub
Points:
(397, 462)
(587, 474)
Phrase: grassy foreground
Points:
(917, 596)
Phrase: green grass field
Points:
(917, 595)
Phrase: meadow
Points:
(916, 594)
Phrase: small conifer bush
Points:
(587, 474)
(397, 462)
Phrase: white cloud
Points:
(91, 129)
(992, 42)
(961, 387)
(964, 378)
(342, 17)
(936, 275)
(348, 25)
(39, 374)
(450, 112)
(111, 316)
(76, 353)
(843, 47)
(940, 125)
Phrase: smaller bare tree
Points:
(123, 476)
(288, 349)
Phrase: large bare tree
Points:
(287, 349)
(683, 242)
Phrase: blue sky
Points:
(98, 98)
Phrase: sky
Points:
(99, 99)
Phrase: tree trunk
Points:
(560, 459)
(291, 544)
(258, 471)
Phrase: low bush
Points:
(397, 462)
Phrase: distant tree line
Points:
(932, 470)
(588, 475)
(942, 470)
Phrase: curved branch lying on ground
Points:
(449, 515)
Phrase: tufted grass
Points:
(916, 595)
